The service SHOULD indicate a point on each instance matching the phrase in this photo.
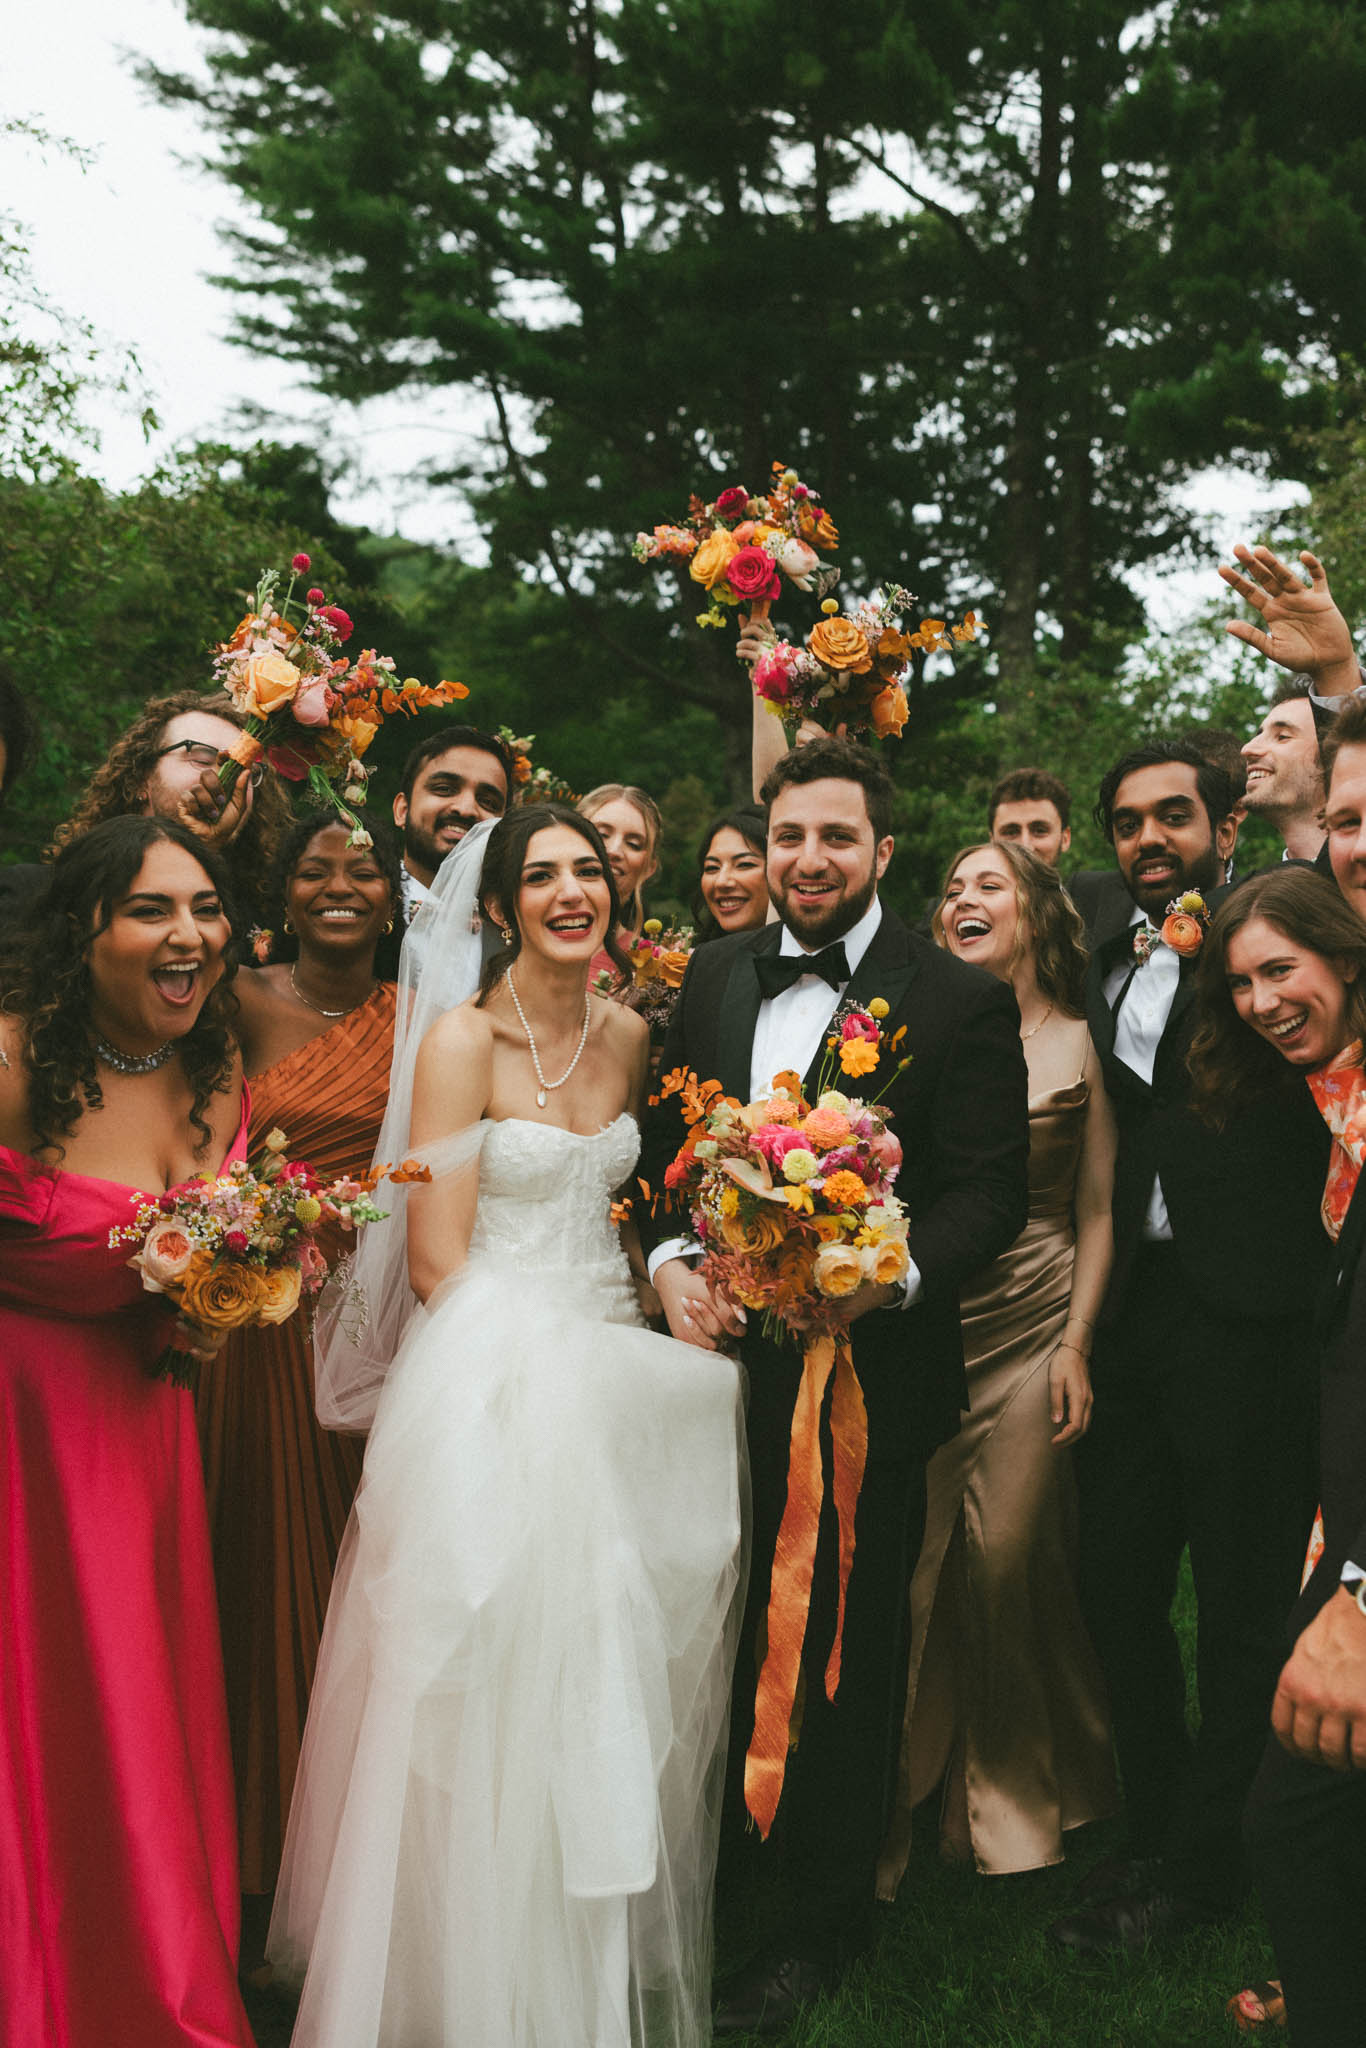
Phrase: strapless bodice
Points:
(545, 1194)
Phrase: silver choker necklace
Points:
(535, 1056)
(135, 1062)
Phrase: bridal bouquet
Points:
(795, 1210)
(851, 670)
(310, 709)
(241, 1249)
(532, 785)
(739, 548)
(658, 959)
(794, 1205)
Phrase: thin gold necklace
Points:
(1037, 1027)
(309, 1003)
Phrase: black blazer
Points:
(1243, 1202)
(961, 1112)
(1342, 1387)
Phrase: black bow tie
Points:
(777, 971)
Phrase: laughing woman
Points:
(1005, 1704)
(317, 1034)
(1283, 1004)
(118, 1081)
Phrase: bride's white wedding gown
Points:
(504, 1829)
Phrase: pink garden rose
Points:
(313, 702)
(750, 574)
(165, 1255)
(885, 1147)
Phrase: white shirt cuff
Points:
(672, 1248)
(913, 1285)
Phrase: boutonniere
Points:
(1183, 929)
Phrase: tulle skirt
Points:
(504, 1829)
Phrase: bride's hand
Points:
(696, 1313)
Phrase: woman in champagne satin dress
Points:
(1005, 1706)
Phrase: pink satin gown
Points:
(118, 1860)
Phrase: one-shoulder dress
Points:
(504, 1826)
(118, 1865)
(279, 1486)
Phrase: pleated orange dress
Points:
(279, 1486)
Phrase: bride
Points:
(504, 1828)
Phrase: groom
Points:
(751, 1005)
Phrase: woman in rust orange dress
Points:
(317, 1034)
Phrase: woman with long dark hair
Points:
(1005, 1705)
(118, 1080)
(504, 1827)
(732, 885)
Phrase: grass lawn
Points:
(962, 1962)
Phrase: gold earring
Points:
(288, 929)
(506, 930)
(389, 927)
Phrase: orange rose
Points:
(889, 711)
(672, 967)
(1183, 933)
(839, 644)
(222, 1297)
(279, 1293)
(708, 566)
(271, 682)
(755, 1236)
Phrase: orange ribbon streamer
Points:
(794, 1559)
(245, 750)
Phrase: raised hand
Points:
(1302, 628)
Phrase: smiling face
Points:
(1346, 819)
(452, 793)
(981, 912)
(1164, 841)
(626, 835)
(733, 885)
(161, 954)
(177, 771)
(1035, 826)
(564, 901)
(337, 898)
(824, 864)
(1284, 778)
(1294, 998)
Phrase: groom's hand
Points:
(872, 1294)
(695, 1312)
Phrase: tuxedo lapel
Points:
(887, 969)
(740, 1000)
(1099, 1015)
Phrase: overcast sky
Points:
(130, 243)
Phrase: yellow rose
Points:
(708, 566)
(222, 1297)
(887, 1261)
(839, 1270)
(760, 1234)
(278, 1295)
(839, 644)
(271, 681)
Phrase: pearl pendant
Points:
(540, 1098)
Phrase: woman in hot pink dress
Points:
(118, 1868)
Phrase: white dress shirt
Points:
(1139, 1027)
(788, 1033)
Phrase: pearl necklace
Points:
(535, 1056)
(134, 1062)
(1035, 1028)
(309, 1004)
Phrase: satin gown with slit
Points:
(505, 1821)
(1004, 1685)
(279, 1486)
(118, 1865)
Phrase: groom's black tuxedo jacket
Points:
(960, 1111)
(1342, 1394)
(1243, 1202)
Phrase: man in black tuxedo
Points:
(1204, 1371)
(752, 1005)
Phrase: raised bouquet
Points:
(740, 548)
(242, 1249)
(530, 784)
(658, 957)
(852, 669)
(795, 1208)
(310, 709)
